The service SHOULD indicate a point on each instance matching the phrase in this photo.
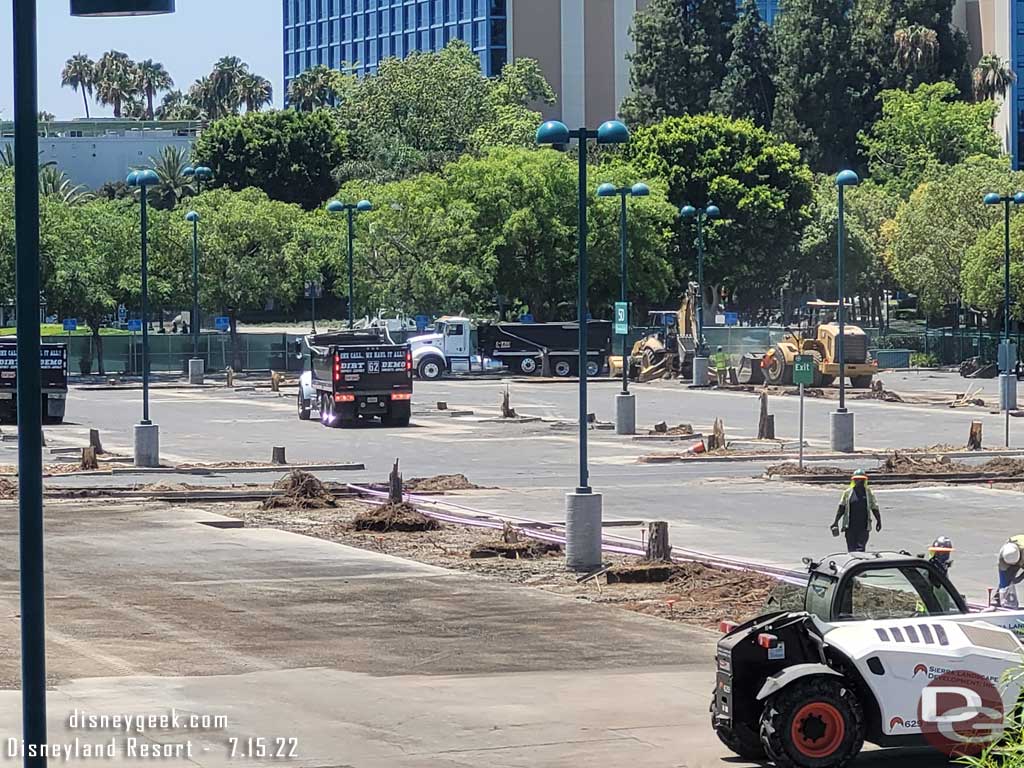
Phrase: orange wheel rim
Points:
(818, 729)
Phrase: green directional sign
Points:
(803, 369)
(621, 318)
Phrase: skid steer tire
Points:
(860, 382)
(815, 722)
(741, 740)
(828, 381)
(817, 378)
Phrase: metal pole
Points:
(584, 486)
(144, 193)
(30, 417)
(701, 352)
(1006, 276)
(842, 309)
(351, 289)
(195, 288)
(801, 426)
(624, 290)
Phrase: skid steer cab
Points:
(884, 650)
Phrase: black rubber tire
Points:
(303, 406)
(778, 373)
(816, 373)
(593, 368)
(430, 368)
(741, 741)
(827, 381)
(860, 382)
(528, 366)
(561, 368)
(781, 709)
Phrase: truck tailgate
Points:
(374, 368)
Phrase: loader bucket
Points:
(750, 371)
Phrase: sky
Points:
(187, 42)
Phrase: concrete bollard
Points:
(583, 531)
(841, 426)
(625, 414)
(147, 445)
(277, 455)
(196, 370)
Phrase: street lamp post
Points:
(199, 174)
(147, 434)
(700, 359)
(336, 206)
(625, 403)
(30, 416)
(582, 508)
(842, 421)
(1007, 351)
(196, 365)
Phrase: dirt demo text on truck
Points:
(457, 345)
(356, 375)
(53, 364)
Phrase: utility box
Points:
(1007, 356)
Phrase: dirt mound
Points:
(1003, 466)
(438, 483)
(902, 464)
(515, 550)
(394, 517)
(8, 489)
(662, 428)
(789, 468)
(300, 490)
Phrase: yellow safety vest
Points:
(845, 504)
(720, 361)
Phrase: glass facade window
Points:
(366, 31)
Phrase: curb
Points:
(231, 470)
(814, 457)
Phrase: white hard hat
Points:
(1010, 553)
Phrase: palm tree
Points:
(7, 158)
(174, 185)
(226, 78)
(175, 105)
(916, 47)
(46, 117)
(255, 91)
(117, 80)
(315, 88)
(79, 74)
(53, 182)
(203, 96)
(153, 77)
(992, 77)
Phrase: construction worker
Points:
(854, 508)
(1010, 571)
(720, 361)
(941, 553)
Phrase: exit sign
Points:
(803, 369)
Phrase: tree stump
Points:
(94, 441)
(395, 485)
(275, 381)
(277, 455)
(717, 437)
(507, 411)
(89, 458)
(230, 376)
(442, 405)
(762, 421)
(658, 548)
(974, 437)
(661, 427)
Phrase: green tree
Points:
(680, 57)
(289, 155)
(318, 87)
(79, 74)
(760, 184)
(748, 89)
(937, 227)
(817, 106)
(176, 106)
(923, 129)
(117, 80)
(153, 78)
(174, 185)
(54, 183)
(255, 91)
(992, 78)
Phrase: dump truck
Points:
(53, 365)
(819, 339)
(458, 345)
(878, 637)
(355, 375)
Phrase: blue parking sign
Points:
(221, 323)
(70, 324)
(134, 326)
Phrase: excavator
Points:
(668, 351)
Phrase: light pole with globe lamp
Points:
(147, 434)
(582, 508)
(196, 365)
(625, 403)
(29, 380)
(1007, 351)
(199, 174)
(842, 421)
(336, 206)
(700, 358)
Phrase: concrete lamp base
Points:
(700, 371)
(147, 445)
(625, 414)
(196, 370)
(583, 531)
(841, 431)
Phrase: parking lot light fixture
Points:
(363, 206)
(193, 218)
(701, 216)
(583, 508)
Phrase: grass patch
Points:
(53, 329)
